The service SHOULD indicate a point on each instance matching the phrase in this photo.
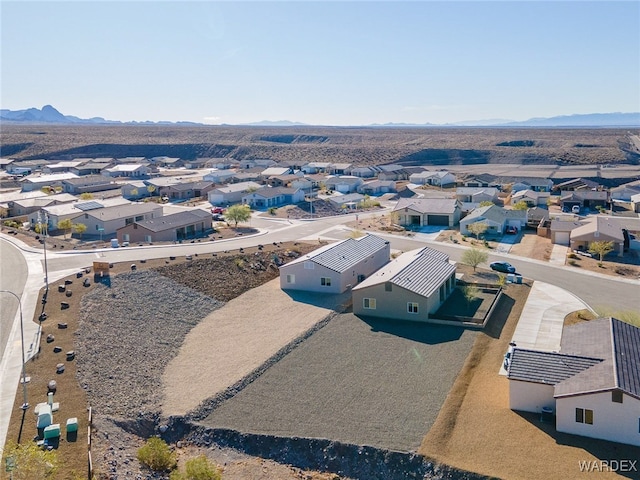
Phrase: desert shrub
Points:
(30, 462)
(11, 224)
(239, 262)
(625, 271)
(572, 255)
(157, 455)
(573, 263)
(198, 468)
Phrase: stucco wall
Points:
(616, 422)
(530, 397)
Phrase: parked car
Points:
(218, 210)
(511, 230)
(504, 267)
(575, 209)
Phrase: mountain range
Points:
(49, 115)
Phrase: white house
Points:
(429, 177)
(592, 385)
(410, 287)
(418, 212)
(343, 183)
(105, 221)
(273, 197)
(336, 267)
(133, 170)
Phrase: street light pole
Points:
(44, 230)
(25, 404)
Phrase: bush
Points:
(198, 468)
(157, 455)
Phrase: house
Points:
(394, 174)
(626, 191)
(592, 384)
(91, 168)
(232, 193)
(576, 184)
(349, 200)
(410, 287)
(219, 176)
(365, 172)
(273, 197)
(377, 187)
(589, 199)
(167, 162)
(482, 180)
(302, 183)
(88, 184)
(132, 170)
(107, 220)
(187, 190)
(560, 230)
(137, 189)
(61, 167)
(343, 183)
(249, 175)
(169, 228)
(535, 215)
(599, 229)
(439, 178)
(274, 172)
(196, 163)
(336, 267)
(36, 182)
(531, 198)
(71, 211)
(316, 167)
(5, 163)
(21, 207)
(635, 202)
(476, 195)
(418, 212)
(536, 184)
(257, 162)
(282, 180)
(339, 169)
(496, 218)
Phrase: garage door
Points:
(438, 220)
(562, 238)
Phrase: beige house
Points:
(409, 287)
(418, 212)
(600, 229)
(336, 267)
(592, 384)
(106, 221)
(169, 228)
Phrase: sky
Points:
(321, 63)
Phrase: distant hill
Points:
(49, 115)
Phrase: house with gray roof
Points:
(439, 178)
(592, 384)
(343, 183)
(273, 197)
(418, 212)
(232, 193)
(410, 287)
(169, 228)
(336, 267)
(88, 184)
(350, 200)
(496, 218)
(602, 228)
(106, 221)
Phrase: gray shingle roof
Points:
(175, 220)
(546, 367)
(626, 349)
(343, 255)
(428, 205)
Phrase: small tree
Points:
(65, 225)
(486, 203)
(238, 213)
(157, 455)
(151, 189)
(29, 461)
(356, 234)
(601, 249)
(79, 228)
(86, 196)
(474, 257)
(198, 468)
(478, 228)
(470, 293)
(134, 192)
(521, 205)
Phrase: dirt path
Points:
(236, 339)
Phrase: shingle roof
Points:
(175, 220)
(428, 205)
(626, 349)
(121, 211)
(546, 367)
(343, 255)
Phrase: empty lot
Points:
(361, 382)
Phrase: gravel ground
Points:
(366, 383)
(127, 335)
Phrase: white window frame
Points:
(413, 308)
(369, 303)
(147, 238)
(309, 265)
(325, 281)
(291, 278)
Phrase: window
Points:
(369, 303)
(308, 265)
(412, 307)
(139, 218)
(291, 279)
(388, 286)
(325, 281)
(128, 221)
(584, 415)
(616, 396)
(125, 237)
(147, 238)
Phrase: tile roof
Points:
(546, 367)
(343, 255)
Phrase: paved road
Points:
(13, 276)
